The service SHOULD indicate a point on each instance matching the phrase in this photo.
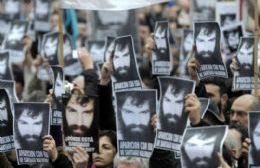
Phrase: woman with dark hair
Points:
(107, 149)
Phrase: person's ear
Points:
(224, 98)
(233, 152)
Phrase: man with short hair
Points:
(215, 88)
(232, 38)
(240, 108)
(135, 111)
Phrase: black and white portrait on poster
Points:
(9, 86)
(6, 123)
(114, 23)
(161, 55)
(5, 25)
(109, 47)
(125, 73)
(14, 41)
(227, 13)
(12, 8)
(72, 65)
(96, 50)
(31, 123)
(254, 134)
(49, 48)
(135, 134)
(232, 35)
(243, 78)
(58, 90)
(5, 69)
(207, 42)
(186, 47)
(202, 10)
(172, 118)
(42, 13)
(204, 106)
(200, 146)
(80, 122)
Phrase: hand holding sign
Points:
(192, 108)
(49, 146)
(80, 157)
(85, 59)
(149, 45)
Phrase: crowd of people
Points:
(96, 101)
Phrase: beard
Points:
(246, 70)
(168, 125)
(3, 123)
(144, 133)
(121, 73)
(161, 54)
(206, 54)
(30, 142)
(204, 162)
(83, 130)
(5, 129)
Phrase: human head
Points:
(30, 124)
(79, 116)
(107, 149)
(232, 38)
(130, 162)
(204, 143)
(123, 58)
(232, 148)
(5, 114)
(42, 8)
(240, 108)
(245, 54)
(161, 38)
(233, 142)
(17, 33)
(172, 104)
(135, 110)
(96, 50)
(187, 42)
(216, 90)
(50, 46)
(207, 38)
(227, 19)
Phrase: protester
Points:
(126, 59)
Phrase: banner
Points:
(108, 5)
